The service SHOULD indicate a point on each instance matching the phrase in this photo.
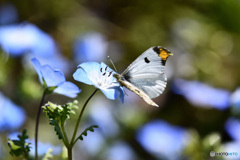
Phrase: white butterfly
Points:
(145, 76)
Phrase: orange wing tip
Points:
(164, 54)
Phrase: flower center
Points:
(106, 78)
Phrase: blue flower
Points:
(101, 113)
(232, 127)
(12, 116)
(120, 151)
(56, 79)
(84, 50)
(101, 76)
(201, 94)
(235, 98)
(161, 138)
(43, 147)
(28, 40)
(26, 37)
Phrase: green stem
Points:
(65, 138)
(69, 148)
(79, 118)
(37, 125)
(26, 155)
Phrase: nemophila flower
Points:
(235, 98)
(12, 116)
(120, 151)
(201, 94)
(101, 113)
(26, 37)
(100, 76)
(84, 50)
(161, 139)
(232, 126)
(43, 147)
(29, 41)
(54, 80)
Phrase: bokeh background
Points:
(199, 110)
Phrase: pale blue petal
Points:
(37, 67)
(110, 93)
(81, 76)
(88, 73)
(121, 94)
(52, 77)
(106, 67)
(101, 76)
(103, 65)
(68, 89)
(90, 67)
(113, 93)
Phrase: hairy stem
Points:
(78, 121)
(65, 138)
(69, 148)
(37, 125)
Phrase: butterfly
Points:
(145, 76)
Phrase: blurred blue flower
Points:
(28, 40)
(8, 14)
(120, 151)
(91, 46)
(43, 147)
(101, 113)
(232, 127)
(12, 116)
(162, 139)
(55, 78)
(26, 37)
(101, 76)
(93, 143)
(201, 94)
(235, 98)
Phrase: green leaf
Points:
(14, 144)
(84, 133)
(58, 114)
(48, 155)
(20, 146)
(65, 113)
(57, 128)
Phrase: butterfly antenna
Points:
(112, 63)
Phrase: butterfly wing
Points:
(136, 90)
(147, 72)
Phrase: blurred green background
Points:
(203, 35)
